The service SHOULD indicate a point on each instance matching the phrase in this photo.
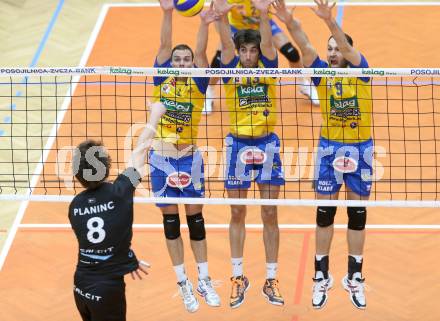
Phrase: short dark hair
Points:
(86, 166)
(347, 36)
(246, 36)
(182, 47)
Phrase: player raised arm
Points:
(139, 154)
(166, 31)
(324, 11)
(267, 48)
(206, 18)
(309, 53)
(222, 7)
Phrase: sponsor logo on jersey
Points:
(179, 180)
(345, 164)
(324, 186)
(173, 105)
(253, 156)
(344, 103)
(254, 94)
(86, 295)
(256, 90)
(344, 108)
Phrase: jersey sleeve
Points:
(126, 183)
(267, 63)
(202, 83)
(362, 64)
(318, 63)
(232, 64)
(159, 80)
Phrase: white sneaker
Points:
(319, 291)
(356, 290)
(206, 290)
(309, 90)
(186, 292)
(209, 101)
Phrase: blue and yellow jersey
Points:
(251, 101)
(346, 105)
(183, 101)
(244, 16)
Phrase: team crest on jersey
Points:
(253, 156)
(179, 180)
(166, 89)
(345, 164)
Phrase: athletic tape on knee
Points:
(357, 217)
(325, 215)
(290, 52)
(196, 226)
(171, 226)
(216, 60)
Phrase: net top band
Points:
(222, 72)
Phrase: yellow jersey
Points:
(251, 101)
(346, 105)
(244, 15)
(183, 101)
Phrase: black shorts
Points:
(100, 300)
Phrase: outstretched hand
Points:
(222, 7)
(166, 5)
(262, 5)
(282, 12)
(142, 268)
(324, 10)
(209, 15)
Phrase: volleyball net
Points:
(47, 112)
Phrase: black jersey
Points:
(102, 221)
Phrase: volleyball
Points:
(189, 8)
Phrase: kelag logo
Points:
(372, 72)
(325, 71)
(258, 90)
(177, 106)
(167, 72)
(119, 70)
(343, 103)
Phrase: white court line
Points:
(240, 201)
(253, 226)
(48, 147)
(310, 4)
